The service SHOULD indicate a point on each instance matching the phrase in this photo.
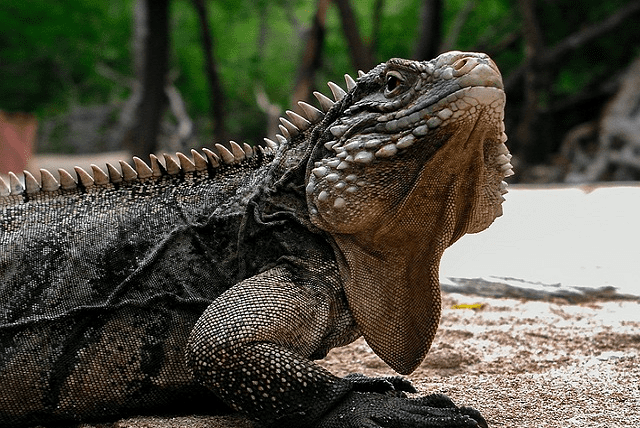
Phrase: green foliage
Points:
(49, 50)
(488, 22)
(593, 63)
(51, 53)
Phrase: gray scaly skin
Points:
(215, 281)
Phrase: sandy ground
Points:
(560, 235)
(521, 363)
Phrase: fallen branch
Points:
(273, 111)
(184, 130)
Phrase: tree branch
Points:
(592, 32)
(574, 41)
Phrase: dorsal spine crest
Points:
(238, 155)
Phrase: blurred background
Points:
(80, 77)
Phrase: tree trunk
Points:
(216, 94)
(530, 149)
(451, 40)
(312, 55)
(430, 36)
(361, 56)
(142, 137)
(376, 25)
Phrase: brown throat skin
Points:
(391, 233)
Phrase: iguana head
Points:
(407, 161)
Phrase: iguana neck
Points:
(390, 274)
(395, 299)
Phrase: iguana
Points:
(216, 280)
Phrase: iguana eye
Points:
(394, 81)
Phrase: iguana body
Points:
(170, 288)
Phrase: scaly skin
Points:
(252, 263)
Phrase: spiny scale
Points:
(225, 154)
(128, 173)
(337, 91)
(297, 120)
(291, 128)
(171, 166)
(271, 144)
(312, 113)
(199, 160)
(4, 188)
(99, 176)
(15, 185)
(296, 123)
(214, 159)
(248, 150)
(350, 82)
(66, 180)
(236, 150)
(83, 177)
(158, 169)
(31, 184)
(114, 174)
(285, 132)
(49, 183)
(185, 163)
(325, 102)
(144, 171)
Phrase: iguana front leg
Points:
(253, 345)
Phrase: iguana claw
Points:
(381, 385)
(373, 410)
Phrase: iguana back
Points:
(102, 285)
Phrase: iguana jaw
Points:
(404, 176)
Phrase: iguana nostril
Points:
(463, 66)
(460, 63)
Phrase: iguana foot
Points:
(374, 410)
(396, 385)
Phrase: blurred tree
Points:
(218, 100)
(49, 50)
(535, 77)
(141, 139)
(430, 30)
(311, 55)
(361, 56)
(553, 51)
(561, 59)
